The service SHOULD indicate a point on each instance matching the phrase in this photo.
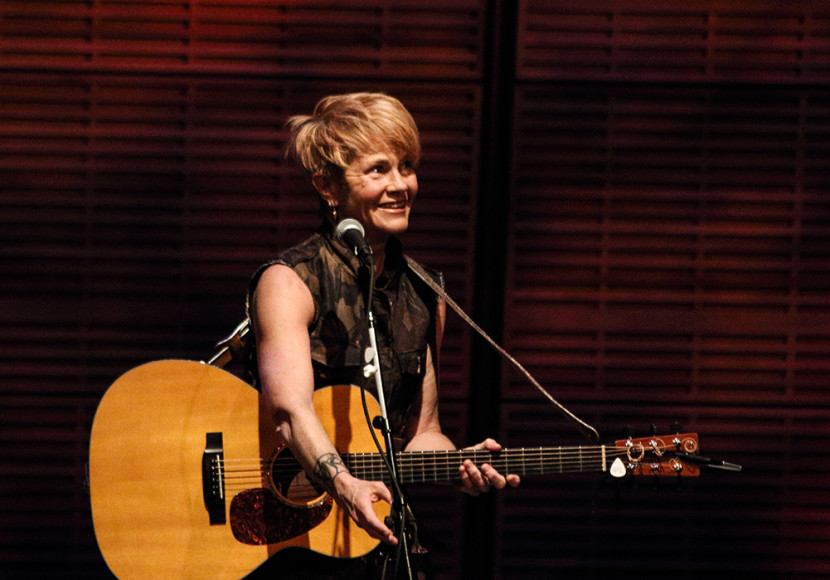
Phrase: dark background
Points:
(631, 196)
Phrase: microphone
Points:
(351, 232)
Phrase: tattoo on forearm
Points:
(327, 468)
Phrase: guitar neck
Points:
(442, 466)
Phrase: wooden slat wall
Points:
(667, 248)
(142, 180)
(699, 40)
(668, 261)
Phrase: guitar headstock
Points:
(661, 455)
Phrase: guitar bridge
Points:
(213, 478)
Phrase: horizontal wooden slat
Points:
(703, 40)
(346, 39)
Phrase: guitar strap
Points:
(583, 427)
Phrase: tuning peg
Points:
(627, 432)
(653, 430)
(676, 427)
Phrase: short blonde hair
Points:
(345, 126)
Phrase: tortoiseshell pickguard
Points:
(259, 517)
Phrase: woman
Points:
(362, 151)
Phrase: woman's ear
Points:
(325, 187)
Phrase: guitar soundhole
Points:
(290, 481)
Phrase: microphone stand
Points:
(372, 368)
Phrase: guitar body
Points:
(189, 479)
(147, 489)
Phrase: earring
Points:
(333, 209)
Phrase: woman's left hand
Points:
(480, 479)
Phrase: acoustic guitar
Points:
(189, 479)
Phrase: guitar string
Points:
(436, 464)
(244, 474)
(431, 465)
(421, 461)
(516, 455)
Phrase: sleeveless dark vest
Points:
(404, 310)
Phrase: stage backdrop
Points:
(631, 195)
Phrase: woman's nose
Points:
(396, 180)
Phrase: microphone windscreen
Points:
(347, 225)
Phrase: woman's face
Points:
(381, 188)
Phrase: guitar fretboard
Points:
(442, 466)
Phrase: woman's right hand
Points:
(358, 497)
